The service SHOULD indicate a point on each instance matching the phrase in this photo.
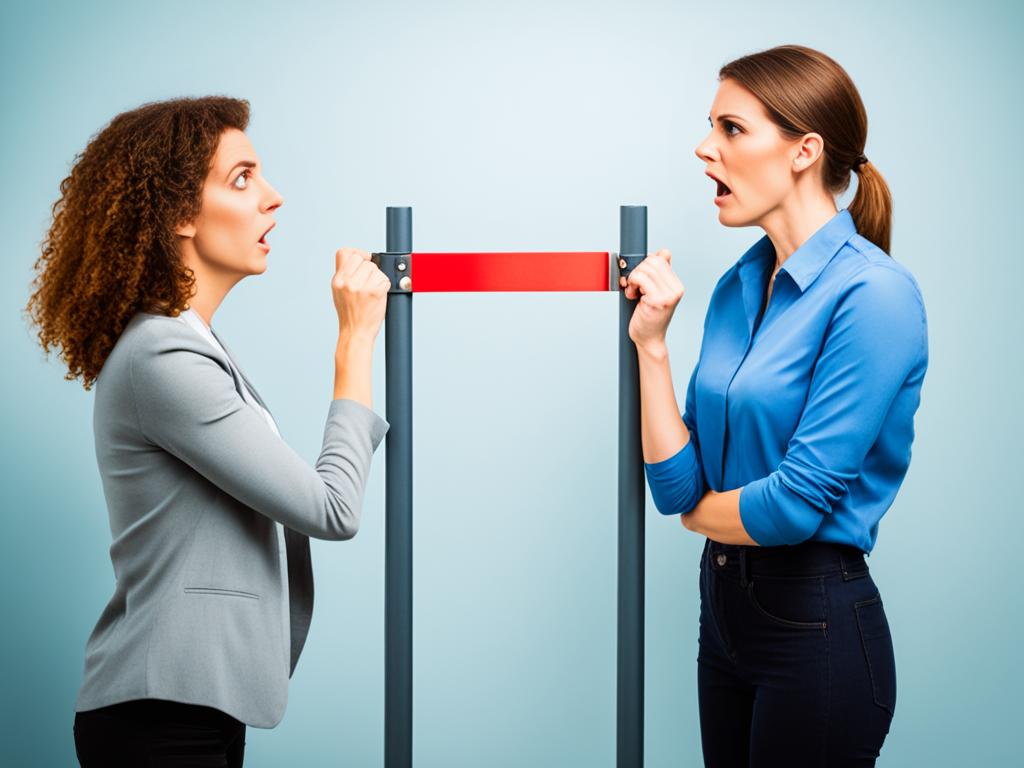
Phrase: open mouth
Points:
(723, 189)
(263, 237)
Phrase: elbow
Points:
(349, 531)
(668, 508)
(677, 484)
(341, 520)
(677, 500)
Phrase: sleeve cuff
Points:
(673, 481)
(772, 514)
(356, 413)
(683, 461)
(754, 515)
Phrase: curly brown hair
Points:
(111, 250)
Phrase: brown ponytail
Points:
(872, 206)
(805, 91)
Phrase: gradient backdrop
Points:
(524, 126)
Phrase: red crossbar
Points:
(555, 271)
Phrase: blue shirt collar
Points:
(810, 259)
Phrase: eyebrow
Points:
(727, 116)
(241, 164)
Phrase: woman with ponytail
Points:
(798, 421)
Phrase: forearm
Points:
(717, 516)
(663, 433)
(353, 366)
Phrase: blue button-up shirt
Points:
(809, 408)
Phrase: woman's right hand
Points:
(360, 293)
(660, 291)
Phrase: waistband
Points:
(809, 558)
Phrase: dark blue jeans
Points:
(796, 663)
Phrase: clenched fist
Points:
(660, 291)
(360, 293)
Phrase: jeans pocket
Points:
(795, 603)
(877, 643)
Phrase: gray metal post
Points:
(398, 506)
(630, 703)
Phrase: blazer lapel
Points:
(238, 370)
(297, 553)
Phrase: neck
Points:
(211, 285)
(793, 222)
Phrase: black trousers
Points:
(796, 665)
(158, 734)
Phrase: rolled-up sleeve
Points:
(677, 483)
(875, 341)
(186, 404)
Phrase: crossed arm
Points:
(717, 516)
(664, 435)
(852, 388)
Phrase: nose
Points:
(272, 200)
(706, 150)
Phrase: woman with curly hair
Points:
(210, 511)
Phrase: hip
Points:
(808, 612)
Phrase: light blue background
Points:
(524, 126)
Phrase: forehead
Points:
(233, 147)
(732, 98)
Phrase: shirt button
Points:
(721, 559)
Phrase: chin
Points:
(257, 266)
(735, 219)
(729, 219)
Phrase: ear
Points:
(187, 229)
(808, 150)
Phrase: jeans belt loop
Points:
(743, 566)
(844, 566)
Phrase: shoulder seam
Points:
(902, 273)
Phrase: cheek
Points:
(760, 176)
(224, 227)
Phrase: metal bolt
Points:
(401, 266)
(622, 263)
(405, 283)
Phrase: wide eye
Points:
(242, 180)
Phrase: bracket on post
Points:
(398, 268)
(620, 265)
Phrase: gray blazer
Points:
(194, 480)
